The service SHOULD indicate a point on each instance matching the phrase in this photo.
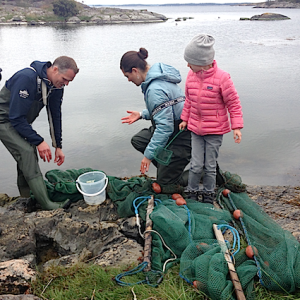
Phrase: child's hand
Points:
(182, 125)
(237, 135)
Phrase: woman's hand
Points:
(145, 164)
(182, 125)
(133, 117)
(237, 135)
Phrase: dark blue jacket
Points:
(26, 102)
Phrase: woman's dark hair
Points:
(134, 59)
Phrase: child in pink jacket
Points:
(210, 99)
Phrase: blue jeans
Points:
(205, 151)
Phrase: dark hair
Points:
(65, 63)
(134, 59)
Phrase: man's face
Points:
(59, 80)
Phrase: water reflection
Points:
(260, 56)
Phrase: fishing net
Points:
(184, 234)
(188, 232)
(61, 185)
(163, 155)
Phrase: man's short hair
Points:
(65, 63)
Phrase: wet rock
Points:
(281, 203)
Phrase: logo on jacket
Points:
(209, 87)
(23, 94)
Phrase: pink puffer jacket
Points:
(210, 95)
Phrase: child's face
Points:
(196, 68)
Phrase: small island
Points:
(266, 17)
(50, 12)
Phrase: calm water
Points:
(262, 58)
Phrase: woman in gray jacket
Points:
(164, 101)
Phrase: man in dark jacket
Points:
(21, 100)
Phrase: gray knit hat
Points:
(200, 51)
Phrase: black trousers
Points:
(181, 147)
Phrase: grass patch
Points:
(86, 282)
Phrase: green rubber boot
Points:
(24, 191)
(23, 187)
(38, 188)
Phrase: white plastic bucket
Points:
(92, 186)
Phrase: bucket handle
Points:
(92, 195)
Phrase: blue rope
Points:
(248, 241)
(190, 223)
(136, 270)
(143, 265)
(136, 206)
(236, 237)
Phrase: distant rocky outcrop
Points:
(272, 4)
(266, 17)
(277, 4)
(87, 15)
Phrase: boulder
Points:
(82, 233)
(266, 17)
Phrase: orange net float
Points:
(156, 188)
(237, 214)
(176, 196)
(251, 251)
(226, 192)
(180, 201)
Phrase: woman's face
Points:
(134, 76)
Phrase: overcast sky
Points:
(122, 2)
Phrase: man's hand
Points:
(44, 151)
(59, 157)
(133, 117)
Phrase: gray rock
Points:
(269, 17)
(19, 297)
(15, 276)
(74, 19)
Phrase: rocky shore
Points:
(82, 233)
(15, 15)
(276, 4)
(272, 4)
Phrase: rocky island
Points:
(266, 17)
(41, 13)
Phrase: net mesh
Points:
(163, 156)
(188, 233)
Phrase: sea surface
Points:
(262, 58)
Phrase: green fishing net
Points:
(184, 234)
(188, 232)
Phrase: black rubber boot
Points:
(38, 188)
(208, 197)
(184, 178)
(197, 196)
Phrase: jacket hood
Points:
(162, 72)
(41, 69)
